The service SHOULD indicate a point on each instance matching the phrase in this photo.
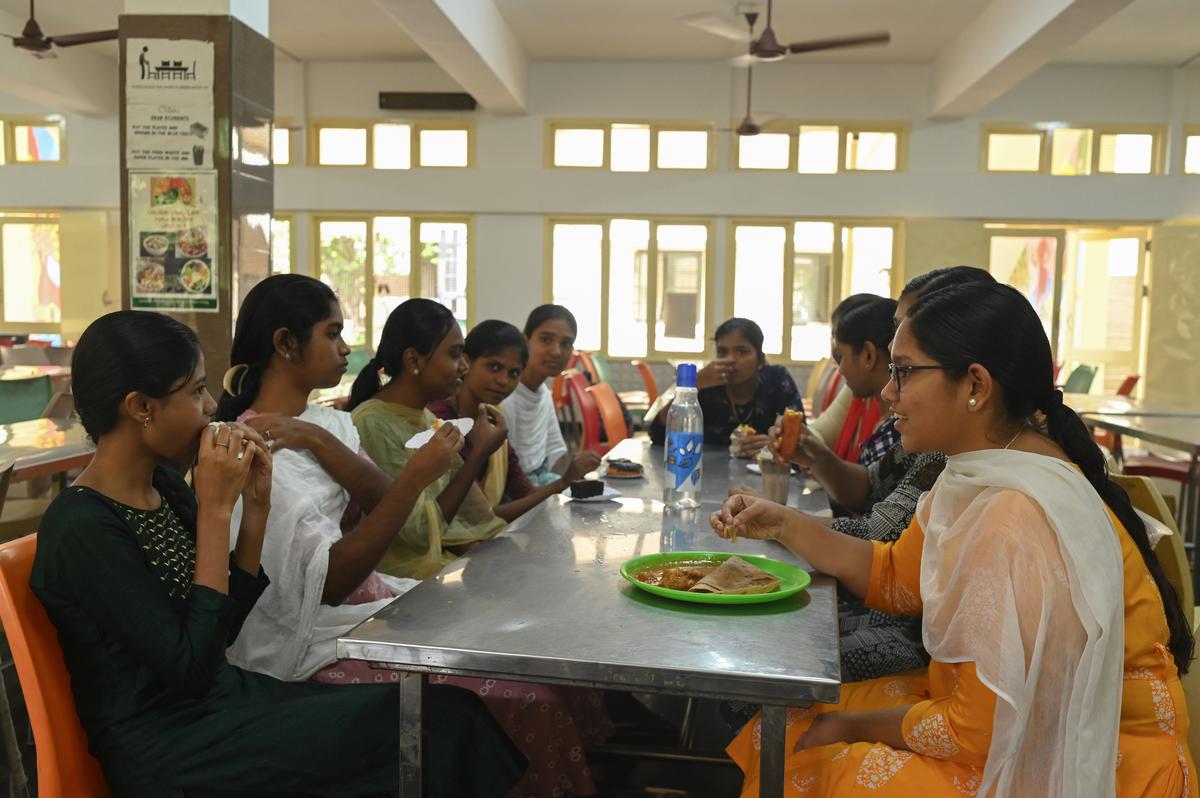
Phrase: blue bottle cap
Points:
(685, 375)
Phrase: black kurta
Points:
(166, 713)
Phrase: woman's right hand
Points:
(748, 516)
(436, 456)
(715, 372)
(286, 432)
(220, 475)
(490, 430)
(580, 465)
(810, 448)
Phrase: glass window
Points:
(281, 146)
(1014, 152)
(577, 272)
(1126, 153)
(818, 150)
(579, 147)
(2, 145)
(871, 150)
(392, 146)
(444, 147)
(867, 260)
(37, 143)
(629, 148)
(682, 250)
(342, 146)
(758, 270)
(682, 149)
(443, 264)
(812, 265)
(628, 286)
(281, 246)
(1191, 155)
(764, 151)
(32, 278)
(342, 265)
(391, 268)
(1071, 151)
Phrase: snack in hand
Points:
(586, 488)
(793, 421)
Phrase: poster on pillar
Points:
(173, 241)
(168, 104)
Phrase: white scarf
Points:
(533, 427)
(1022, 574)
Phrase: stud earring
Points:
(416, 371)
(973, 402)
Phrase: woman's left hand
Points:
(748, 446)
(285, 432)
(256, 493)
(827, 728)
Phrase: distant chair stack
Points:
(590, 408)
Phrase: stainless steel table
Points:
(545, 602)
(1095, 404)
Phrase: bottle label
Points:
(683, 457)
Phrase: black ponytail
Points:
(283, 301)
(995, 326)
(419, 324)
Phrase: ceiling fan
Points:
(750, 124)
(38, 43)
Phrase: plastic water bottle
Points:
(685, 443)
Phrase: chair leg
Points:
(18, 783)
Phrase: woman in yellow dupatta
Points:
(421, 350)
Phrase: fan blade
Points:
(717, 26)
(839, 42)
(744, 61)
(72, 39)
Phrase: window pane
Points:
(391, 267)
(818, 153)
(683, 149)
(578, 147)
(758, 281)
(444, 265)
(342, 263)
(576, 274)
(629, 148)
(37, 143)
(393, 144)
(342, 146)
(764, 151)
(32, 272)
(680, 301)
(628, 286)
(281, 146)
(811, 268)
(2, 147)
(1191, 156)
(1071, 152)
(281, 246)
(1127, 153)
(444, 148)
(871, 150)
(1029, 264)
(1014, 152)
(1106, 294)
(867, 255)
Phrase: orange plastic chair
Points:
(610, 413)
(585, 359)
(589, 414)
(641, 398)
(65, 768)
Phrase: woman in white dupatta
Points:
(1056, 641)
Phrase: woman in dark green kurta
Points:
(135, 578)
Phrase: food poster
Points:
(168, 104)
(173, 241)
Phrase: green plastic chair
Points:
(22, 400)
(357, 360)
(603, 372)
(1080, 380)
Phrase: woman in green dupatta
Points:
(421, 351)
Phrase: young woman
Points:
(532, 423)
(135, 571)
(1056, 640)
(497, 353)
(739, 388)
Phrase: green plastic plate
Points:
(792, 579)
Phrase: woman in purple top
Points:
(496, 354)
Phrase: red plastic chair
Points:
(65, 768)
(1128, 384)
(610, 413)
(585, 359)
(589, 414)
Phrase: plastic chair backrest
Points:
(611, 416)
(1170, 550)
(65, 768)
(22, 400)
(603, 373)
(1080, 380)
(1128, 384)
(814, 381)
(589, 414)
(589, 365)
(648, 379)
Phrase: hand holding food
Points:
(749, 445)
(436, 456)
(222, 467)
(791, 424)
(581, 464)
(749, 517)
(809, 448)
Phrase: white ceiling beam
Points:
(470, 40)
(1007, 42)
(76, 81)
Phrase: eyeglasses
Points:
(896, 371)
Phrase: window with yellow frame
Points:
(1072, 150)
(789, 274)
(376, 261)
(638, 286)
(32, 140)
(1191, 150)
(629, 146)
(283, 244)
(392, 144)
(30, 272)
(793, 145)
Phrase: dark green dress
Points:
(165, 713)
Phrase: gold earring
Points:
(146, 422)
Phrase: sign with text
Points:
(168, 104)
(173, 241)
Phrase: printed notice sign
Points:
(168, 104)
(173, 240)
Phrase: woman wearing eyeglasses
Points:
(1056, 640)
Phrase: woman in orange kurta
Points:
(1046, 679)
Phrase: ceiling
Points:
(1150, 32)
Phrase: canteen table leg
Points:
(412, 689)
(773, 753)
